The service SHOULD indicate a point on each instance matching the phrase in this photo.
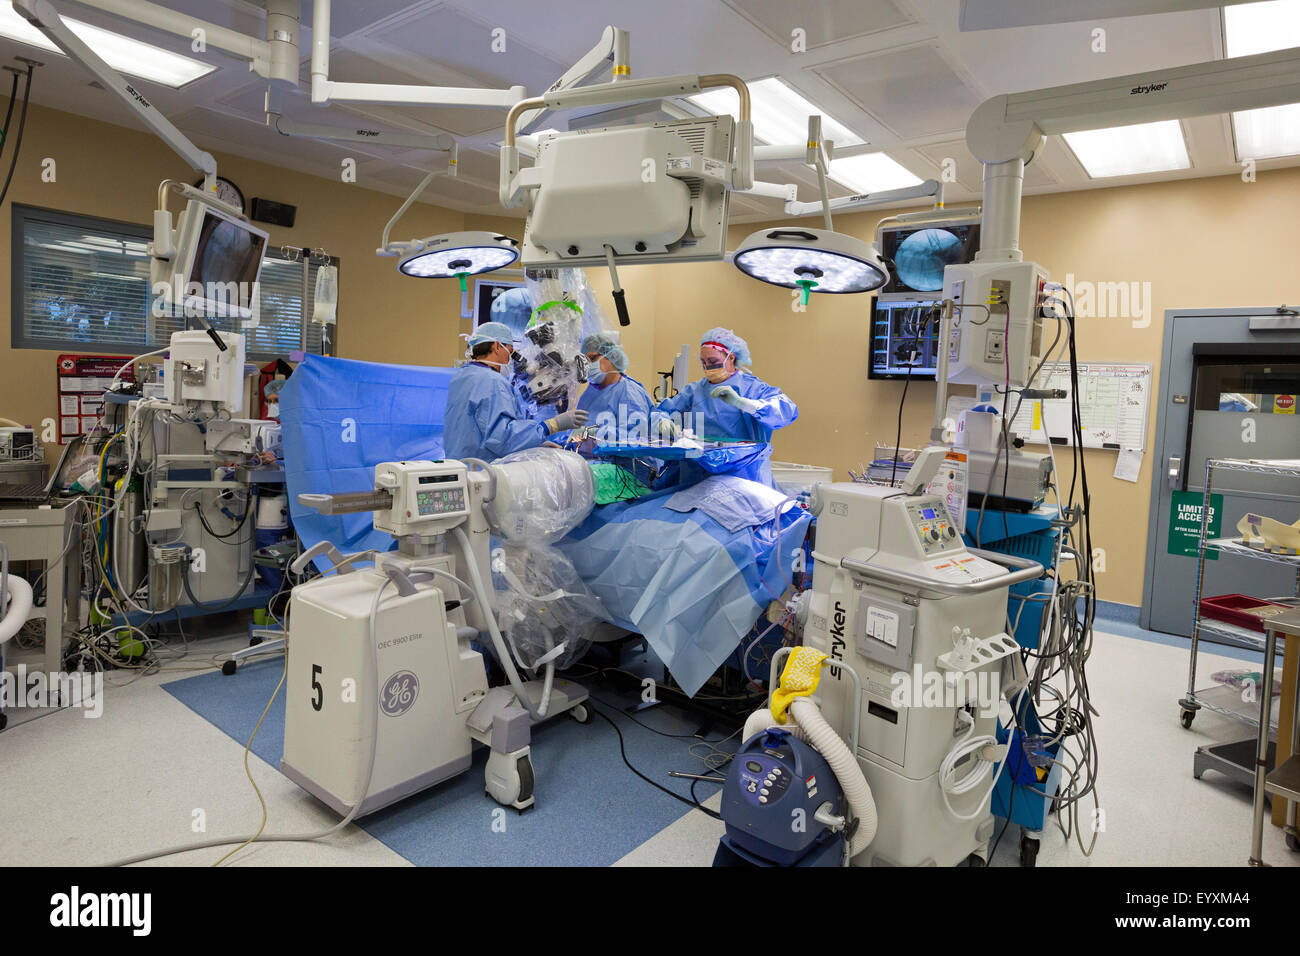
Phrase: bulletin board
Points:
(83, 380)
(1114, 399)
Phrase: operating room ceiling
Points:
(899, 73)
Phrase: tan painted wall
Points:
(113, 172)
(1200, 243)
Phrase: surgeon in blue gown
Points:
(484, 417)
(617, 405)
(729, 403)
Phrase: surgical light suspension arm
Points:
(614, 44)
(324, 90)
(42, 15)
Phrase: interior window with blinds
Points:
(82, 283)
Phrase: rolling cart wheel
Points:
(1187, 717)
(228, 668)
(1292, 841)
(1028, 851)
(581, 713)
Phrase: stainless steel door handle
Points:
(1175, 472)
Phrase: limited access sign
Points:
(1185, 522)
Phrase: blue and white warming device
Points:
(778, 803)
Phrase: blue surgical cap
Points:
(729, 340)
(513, 308)
(606, 343)
(492, 332)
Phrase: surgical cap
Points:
(514, 308)
(492, 332)
(606, 344)
(730, 341)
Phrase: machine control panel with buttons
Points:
(932, 525)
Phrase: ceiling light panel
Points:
(123, 54)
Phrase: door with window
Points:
(1228, 389)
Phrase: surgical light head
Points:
(459, 255)
(813, 260)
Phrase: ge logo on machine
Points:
(399, 693)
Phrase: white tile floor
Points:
(78, 791)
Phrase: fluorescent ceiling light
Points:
(1267, 133)
(1251, 28)
(871, 173)
(780, 116)
(121, 53)
(1130, 150)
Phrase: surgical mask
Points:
(717, 373)
(595, 376)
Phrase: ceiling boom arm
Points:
(1004, 132)
(42, 15)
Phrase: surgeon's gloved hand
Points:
(566, 420)
(669, 429)
(733, 398)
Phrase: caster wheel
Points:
(1187, 717)
(1292, 841)
(526, 780)
(582, 714)
(228, 668)
(1028, 852)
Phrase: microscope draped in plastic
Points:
(542, 605)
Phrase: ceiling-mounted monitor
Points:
(904, 332)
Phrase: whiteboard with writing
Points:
(1114, 399)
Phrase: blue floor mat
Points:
(591, 809)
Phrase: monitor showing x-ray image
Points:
(904, 326)
(920, 254)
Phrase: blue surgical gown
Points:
(484, 417)
(711, 418)
(621, 412)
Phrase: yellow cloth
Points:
(799, 679)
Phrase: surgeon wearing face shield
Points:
(617, 405)
(731, 404)
(484, 416)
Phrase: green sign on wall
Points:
(1185, 522)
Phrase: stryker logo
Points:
(138, 95)
(367, 132)
(1149, 88)
(837, 638)
(103, 910)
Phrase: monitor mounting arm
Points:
(42, 15)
